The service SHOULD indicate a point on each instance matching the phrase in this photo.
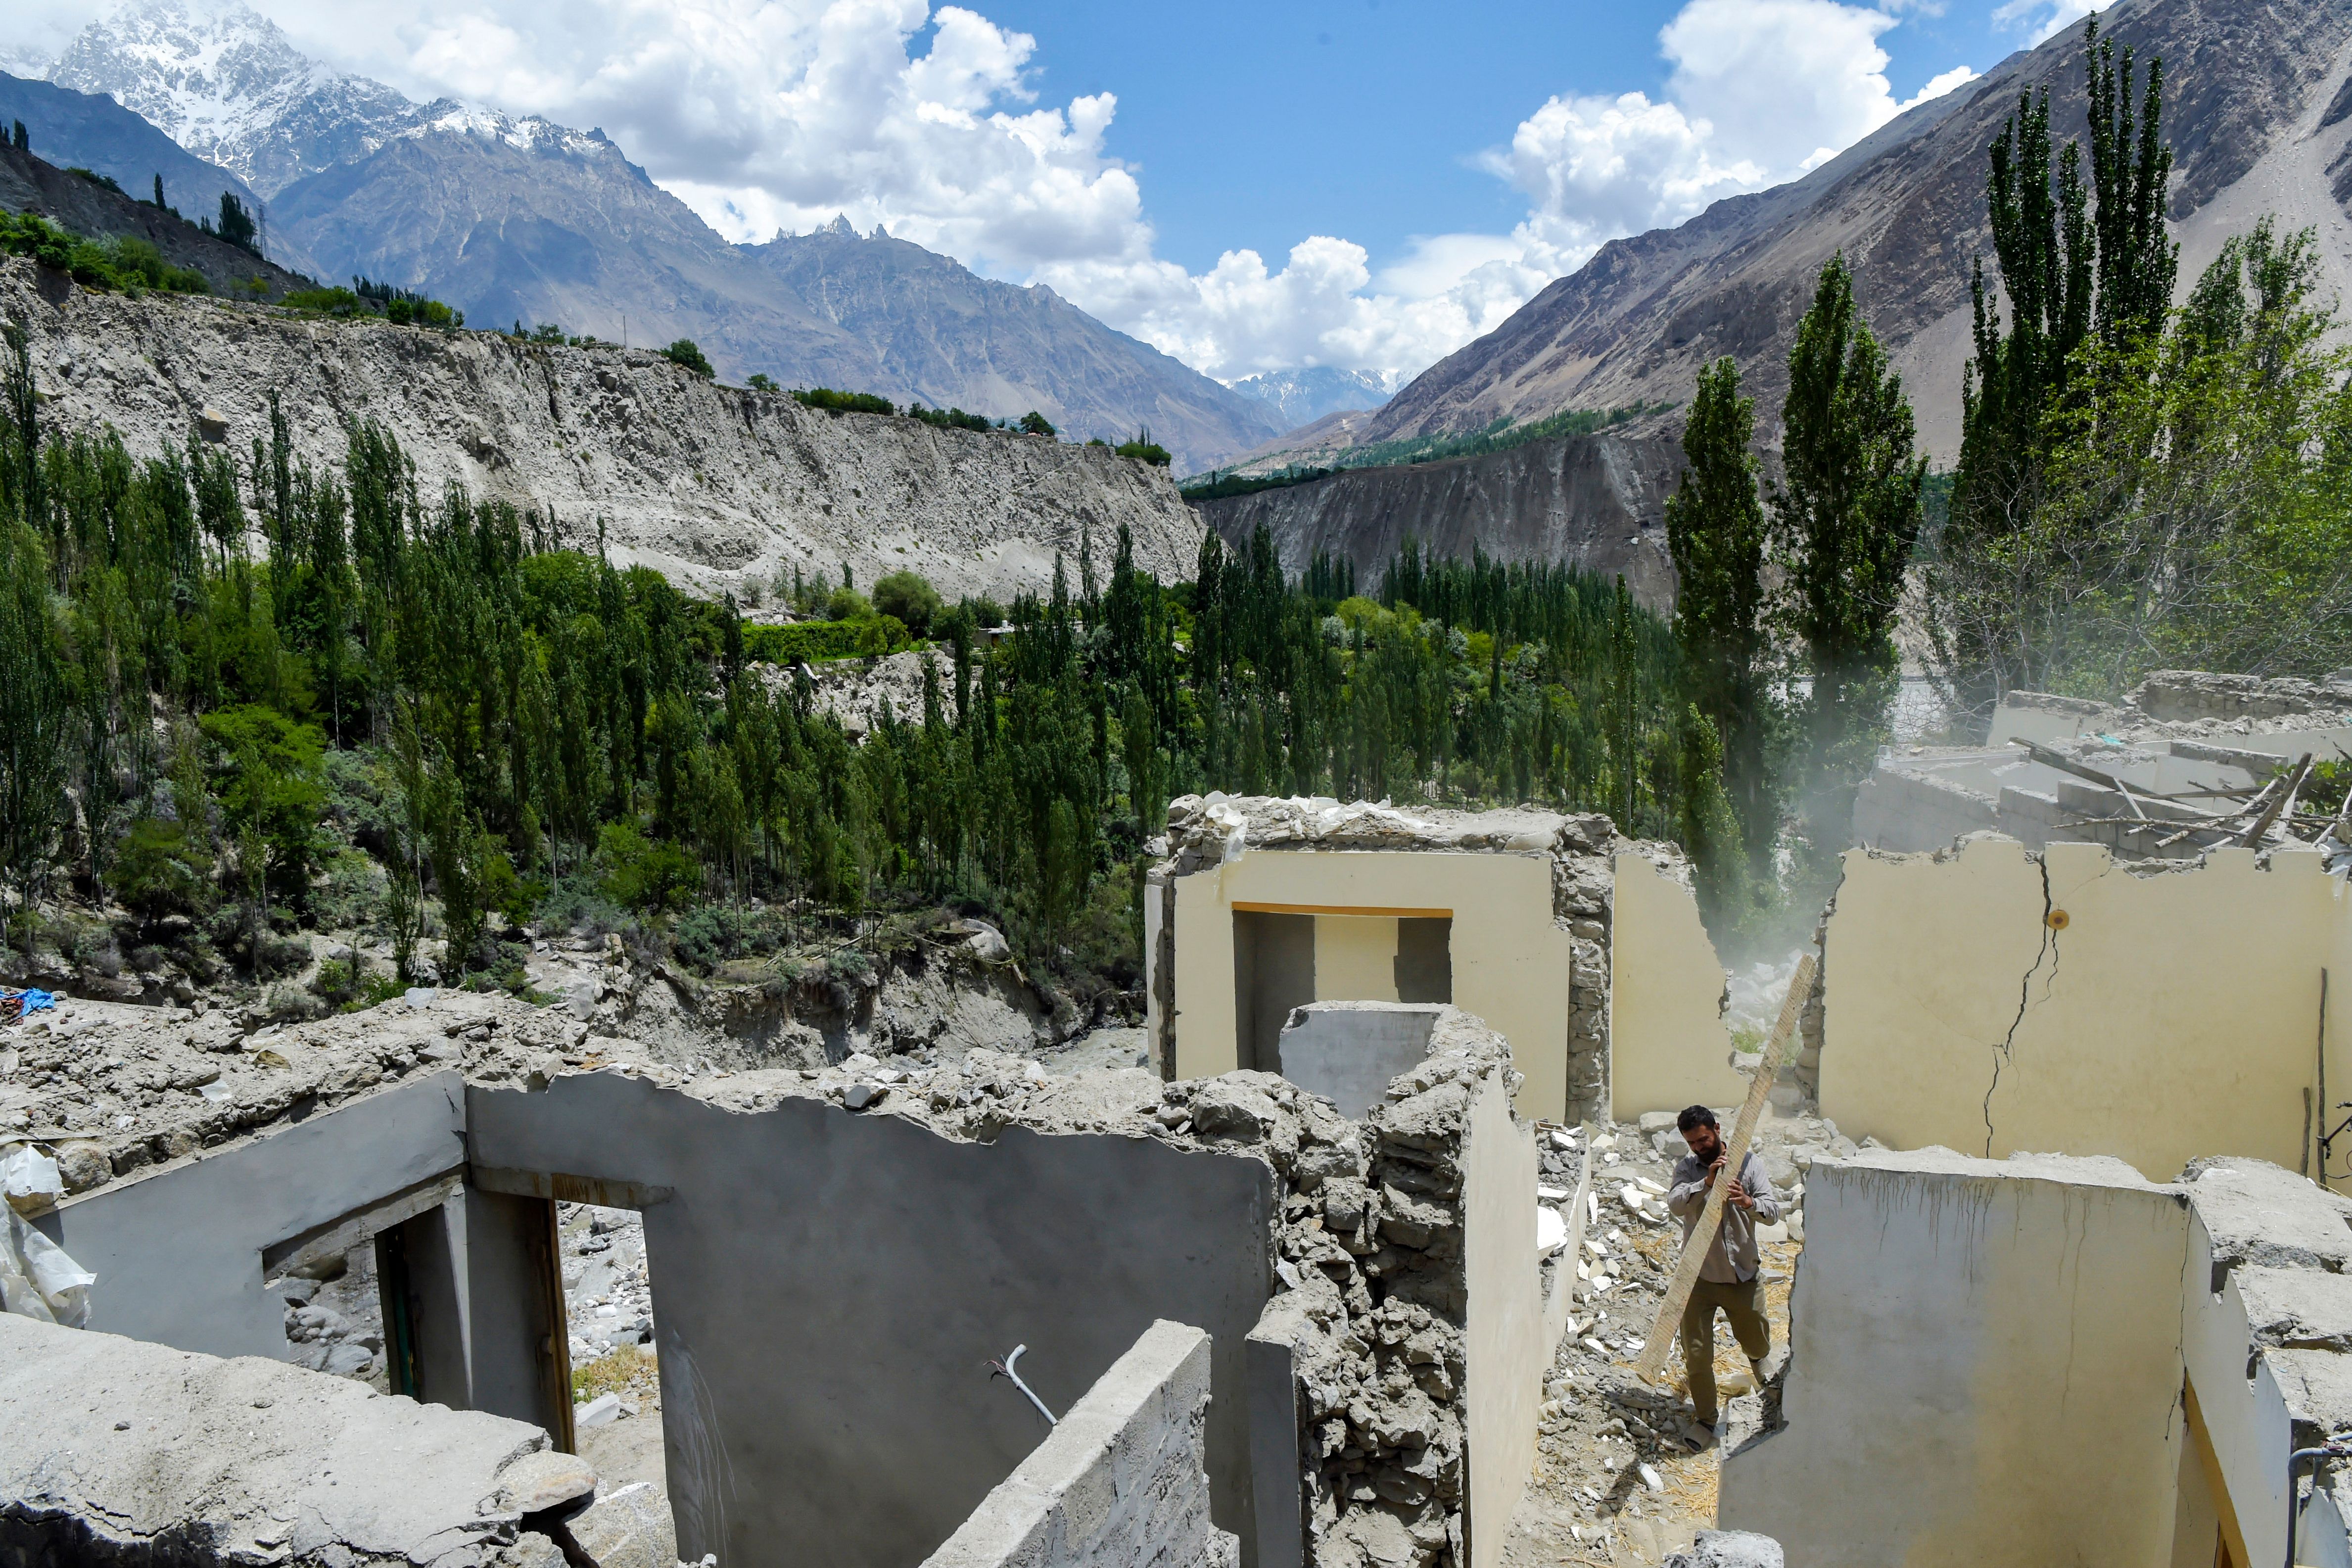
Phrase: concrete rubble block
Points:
(1119, 1483)
(110, 1446)
(627, 1527)
(2259, 1214)
(1730, 1549)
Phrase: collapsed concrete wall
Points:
(824, 1328)
(117, 1451)
(1524, 896)
(1411, 1336)
(1667, 1044)
(837, 1255)
(1118, 1482)
(2004, 1340)
(1995, 1001)
(1985, 1368)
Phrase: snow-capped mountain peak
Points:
(225, 82)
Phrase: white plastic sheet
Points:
(29, 1178)
(38, 1280)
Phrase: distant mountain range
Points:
(522, 219)
(1300, 398)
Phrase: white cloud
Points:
(2045, 18)
(777, 114)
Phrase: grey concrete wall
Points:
(1504, 1351)
(1119, 1483)
(178, 1252)
(113, 1450)
(1348, 1051)
(830, 1286)
(1986, 1368)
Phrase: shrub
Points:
(811, 640)
(645, 874)
(337, 301)
(1144, 449)
(1035, 424)
(909, 597)
(947, 419)
(845, 604)
(834, 402)
(123, 264)
(161, 869)
(685, 354)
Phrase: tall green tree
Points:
(1717, 535)
(1843, 523)
(2079, 263)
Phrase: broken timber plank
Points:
(1651, 1367)
(2269, 814)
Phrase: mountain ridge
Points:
(519, 218)
(2244, 82)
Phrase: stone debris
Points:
(116, 1450)
(1730, 1549)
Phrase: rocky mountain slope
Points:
(1598, 501)
(523, 219)
(717, 486)
(96, 132)
(2255, 90)
(31, 183)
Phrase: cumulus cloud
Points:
(768, 115)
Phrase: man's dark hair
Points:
(1696, 1116)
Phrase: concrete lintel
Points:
(348, 1230)
(604, 1192)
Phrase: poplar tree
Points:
(1843, 523)
(1716, 534)
(2080, 262)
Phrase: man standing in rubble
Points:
(1731, 1279)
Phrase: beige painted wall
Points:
(1504, 1349)
(1667, 1045)
(2174, 1015)
(1355, 958)
(1986, 1369)
(1512, 964)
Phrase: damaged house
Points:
(1322, 1283)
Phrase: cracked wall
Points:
(1992, 1001)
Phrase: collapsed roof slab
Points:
(113, 1450)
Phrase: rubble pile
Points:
(1371, 1247)
(1622, 1471)
(113, 1088)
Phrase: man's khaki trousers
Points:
(1742, 1303)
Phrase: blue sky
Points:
(1361, 184)
(1253, 124)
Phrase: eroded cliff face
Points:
(714, 485)
(1596, 501)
